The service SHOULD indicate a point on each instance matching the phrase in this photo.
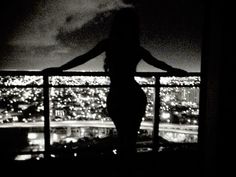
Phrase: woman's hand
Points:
(52, 70)
(178, 72)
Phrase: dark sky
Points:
(44, 33)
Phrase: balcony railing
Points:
(47, 115)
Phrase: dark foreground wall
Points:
(217, 100)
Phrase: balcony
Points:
(64, 116)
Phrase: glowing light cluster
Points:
(145, 80)
(79, 80)
(184, 81)
(181, 103)
(21, 80)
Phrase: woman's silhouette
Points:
(126, 102)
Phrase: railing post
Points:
(156, 114)
(46, 116)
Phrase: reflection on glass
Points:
(179, 114)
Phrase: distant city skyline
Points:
(79, 113)
(44, 34)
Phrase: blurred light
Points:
(32, 136)
(70, 139)
(175, 112)
(167, 98)
(82, 131)
(23, 157)
(165, 115)
(55, 137)
(114, 151)
(15, 118)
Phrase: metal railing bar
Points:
(156, 115)
(91, 73)
(173, 86)
(21, 86)
(92, 86)
(46, 116)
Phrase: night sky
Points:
(46, 33)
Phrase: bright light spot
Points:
(70, 139)
(114, 151)
(165, 115)
(144, 149)
(53, 156)
(172, 103)
(176, 112)
(165, 80)
(32, 136)
(55, 137)
(24, 120)
(23, 157)
(174, 137)
(75, 154)
(82, 132)
(167, 98)
(15, 118)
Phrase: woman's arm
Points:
(97, 50)
(147, 57)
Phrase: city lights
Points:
(165, 115)
(70, 104)
(32, 136)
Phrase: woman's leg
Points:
(127, 130)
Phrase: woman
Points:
(126, 102)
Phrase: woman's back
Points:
(122, 50)
(121, 60)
